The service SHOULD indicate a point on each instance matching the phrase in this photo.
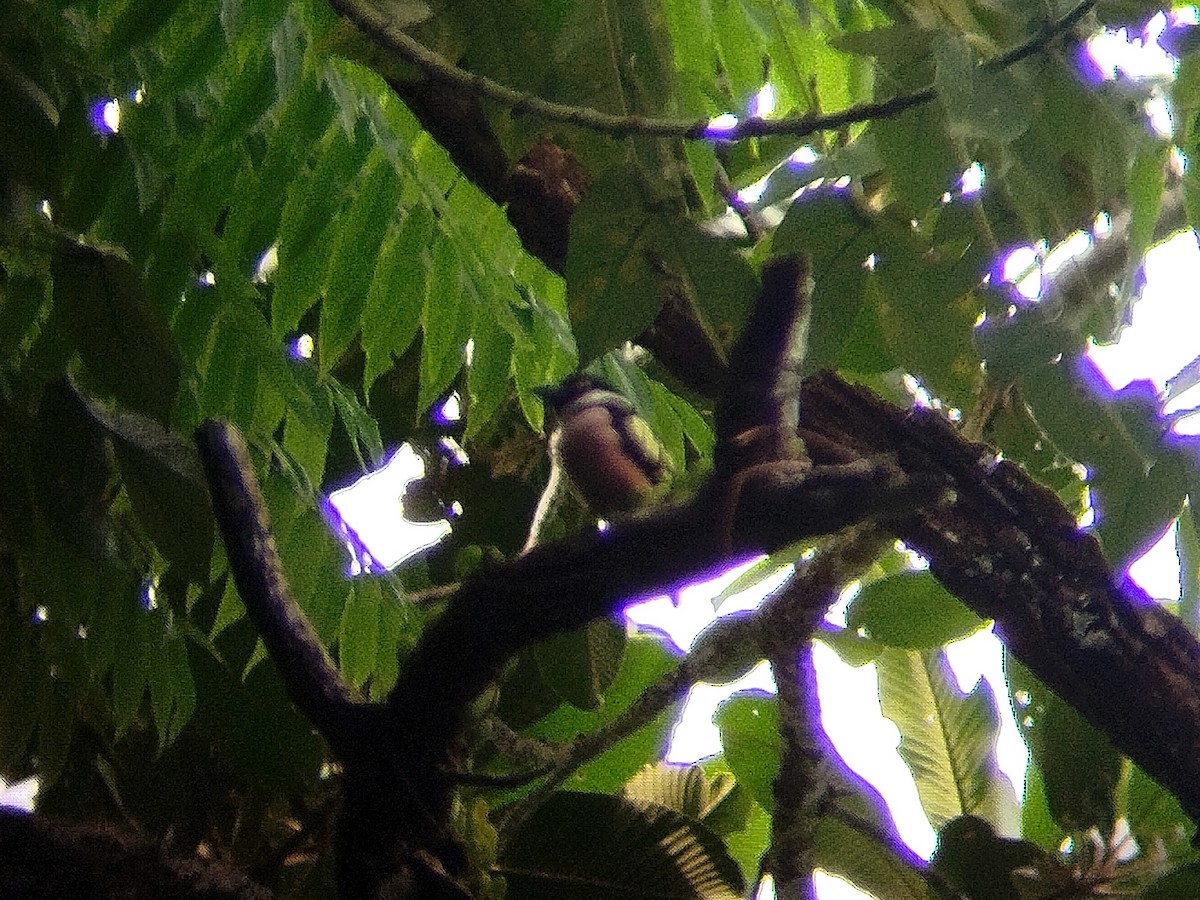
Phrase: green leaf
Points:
(645, 661)
(611, 282)
(20, 700)
(947, 739)
(918, 152)
(361, 428)
(1057, 171)
(55, 725)
(1181, 884)
(580, 665)
(1147, 178)
(749, 727)
(310, 224)
(868, 863)
(992, 105)
(488, 382)
(358, 640)
(1138, 486)
(130, 671)
(1149, 507)
(396, 297)
(925, 299)
(717, 801)
(1154, 814)
(306, 432)
(72, 470)
(1037, 825)
(911, 611)
(122, 339)
(355, 256)
(315, 566)
(582, 846)
(1080, 767)
(124, 24)
(445, 324)
(838, 240)
(25, 302)
(720, 277)
(973, 859)
(1187, 544)
(172, 692)
(162, 476)
(257, 199)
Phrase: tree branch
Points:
(312, 679)
(790, 616)
(1008, 548)
(388, 35)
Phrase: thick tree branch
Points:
(1007, 547)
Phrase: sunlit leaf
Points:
(948, 739)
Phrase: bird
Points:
(606, 449)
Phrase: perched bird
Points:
(605, 448)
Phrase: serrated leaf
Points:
(306, 432)
(361, 428)
(488, 380)
(356, 256)
(445, 324)
(396, 297)
(258, 197)
(947, 739)
(316, 569)
(309, 225)
(911, 611)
